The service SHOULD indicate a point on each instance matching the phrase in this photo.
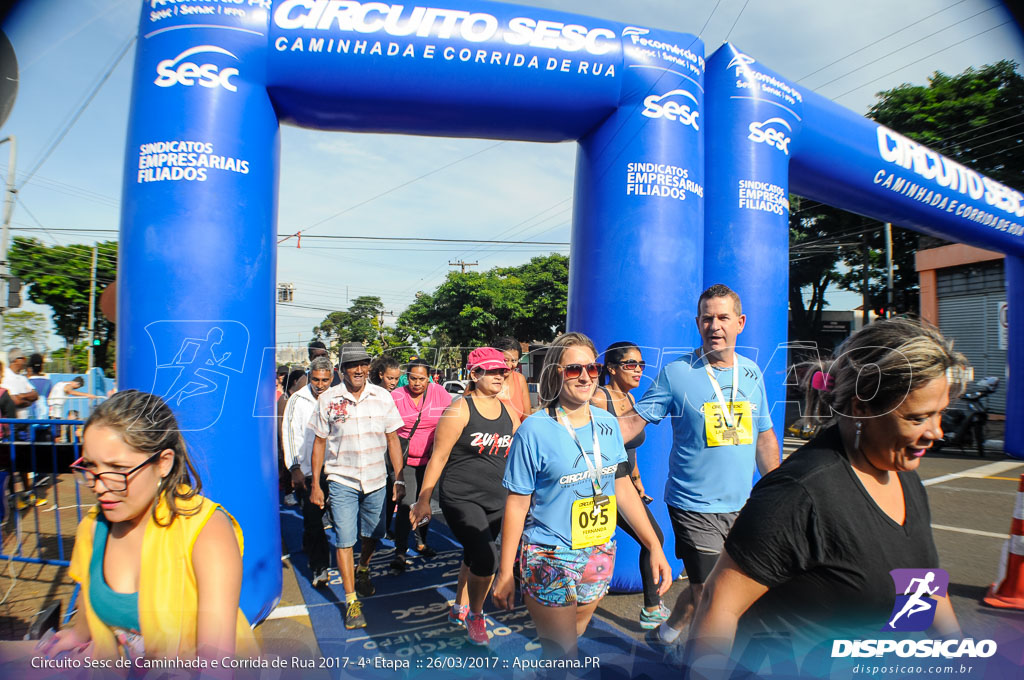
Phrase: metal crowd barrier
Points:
(39, 454)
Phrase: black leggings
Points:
(413, 477)
(477, 530)
(651, 597)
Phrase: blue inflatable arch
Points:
(214, 79)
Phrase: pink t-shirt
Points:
(435, 400)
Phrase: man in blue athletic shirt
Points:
(721, 427)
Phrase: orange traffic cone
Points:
(1008, 590)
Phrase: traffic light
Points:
(96, 342)
(13, 292)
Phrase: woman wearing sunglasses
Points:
(470, 447)
(153, 554)
(567, 479)
(623, 368)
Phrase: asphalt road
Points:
(972, 502)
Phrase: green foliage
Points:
(972, 118)
(26, 329)
(469, 309)
(58, 276)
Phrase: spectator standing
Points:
(39, 410)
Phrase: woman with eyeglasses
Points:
(567, 478)
(420, 404)
(160, 566)
(623, 368)
(470, 448)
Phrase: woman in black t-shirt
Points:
(810, 554)
(470, 447)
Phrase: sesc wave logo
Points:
(634, 30)
(740, 60)
(177, 71)
(771, 132)
(669, 106)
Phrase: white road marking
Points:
(288, 612)
(990, 470)
(974, 532)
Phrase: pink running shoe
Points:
(457, 614)
(476, 628)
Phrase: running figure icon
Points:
(917, 602)
(196, 357)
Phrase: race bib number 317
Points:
(718, 430)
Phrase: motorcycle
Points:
(964, 424)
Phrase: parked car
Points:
(456, 386)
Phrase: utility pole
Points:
(6, 230)
(463, 264)
(888, 266)
(92, 317)
(865, 284)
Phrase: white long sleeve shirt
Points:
(297, 435)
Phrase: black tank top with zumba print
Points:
(476, 465)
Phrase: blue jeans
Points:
(355, 514)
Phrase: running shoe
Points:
(649, 620)
(671, 652)
(398, 564)
(321, 578)
(290, 500)
(426, 551)
(476, 628)
(364, 587)
(457, 614)
(354, 615)
(29, 500)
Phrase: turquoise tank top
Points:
(117, 610)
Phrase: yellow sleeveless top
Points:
(168, 591)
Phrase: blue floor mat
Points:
(408, 630)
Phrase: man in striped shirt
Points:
(356, 425)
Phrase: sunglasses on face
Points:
(113, 481)
(503, 372)
(574, 371)
(632, 365)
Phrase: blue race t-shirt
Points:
(705, 478)
(544, 461)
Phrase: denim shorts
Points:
(557, 576)
(355, 514)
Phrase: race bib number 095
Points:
(589, 527)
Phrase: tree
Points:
(358, 324)
(26, 329)
(972, 118)
(59, 276)
(469, 309)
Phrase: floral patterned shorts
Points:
(561, 577)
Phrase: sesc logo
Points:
(771, 132)
(663, 106)
(179, 72)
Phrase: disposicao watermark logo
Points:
(914, 611)
(915, 592)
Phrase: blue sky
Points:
(450, 188)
